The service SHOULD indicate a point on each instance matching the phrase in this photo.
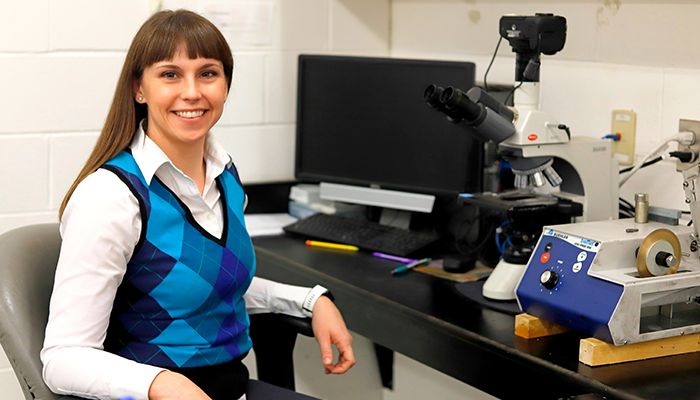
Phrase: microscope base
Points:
(503, 280)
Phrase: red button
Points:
(544, 258)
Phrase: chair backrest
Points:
(28, 257)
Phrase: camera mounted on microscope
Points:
(530, 36)
(490, 120)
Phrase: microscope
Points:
(552, 169)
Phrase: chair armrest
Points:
(301, 324)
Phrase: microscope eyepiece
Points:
(483, 122)
(455, 99)
(448, 96)
(432, 94)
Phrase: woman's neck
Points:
(188, 158)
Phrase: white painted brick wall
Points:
(55, 92)
(261, 153)
(24, 26)
(95, 25)
(67, 155)
(246, 99)
(27, 189)
(281, 88)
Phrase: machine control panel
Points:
(556, 283)
(559, 255)
(549, 279)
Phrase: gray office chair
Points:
(28, 258)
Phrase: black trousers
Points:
(231, 380)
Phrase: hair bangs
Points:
(170, 31)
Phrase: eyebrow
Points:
(174, 66)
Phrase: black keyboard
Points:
(364, 234)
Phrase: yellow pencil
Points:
(331, 245)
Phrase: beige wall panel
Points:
(662, 34)
(360, 24)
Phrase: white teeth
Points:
(189, 114)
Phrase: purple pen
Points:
(394, 258)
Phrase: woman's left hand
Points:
(329, 328)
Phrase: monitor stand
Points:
(396, 218)
(396, 206)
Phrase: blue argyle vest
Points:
(180, 303)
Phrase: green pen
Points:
(410, 266)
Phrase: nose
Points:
(190, 90)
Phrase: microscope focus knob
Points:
(549, 279)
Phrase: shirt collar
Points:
(150, 157)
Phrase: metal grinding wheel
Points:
(659, 254)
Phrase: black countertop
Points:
(424, 318)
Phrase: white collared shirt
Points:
(100, 228)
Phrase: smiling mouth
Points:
(189, 114)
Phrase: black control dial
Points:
(549, 279)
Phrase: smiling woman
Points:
(185, 98)
(155, 278)
(161, 37)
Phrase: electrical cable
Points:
(501, 246)
(486, 86)
(511, 92)
(660, 148)
(684, 156)
(626, 209)
(478, 247)
(627, 203)
(626, 212)
(622, 214)
(646, 164)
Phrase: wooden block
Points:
(595, 352)
(531, 327)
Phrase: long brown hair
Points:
(157, 40)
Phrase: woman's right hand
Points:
(170, 385)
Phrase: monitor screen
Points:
(363, 121)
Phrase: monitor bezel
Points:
(310, 177)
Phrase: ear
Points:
(138, 93)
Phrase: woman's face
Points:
(185, 99)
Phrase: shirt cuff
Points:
(137, 383)
(311, 298)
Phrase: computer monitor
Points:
(362, 123)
